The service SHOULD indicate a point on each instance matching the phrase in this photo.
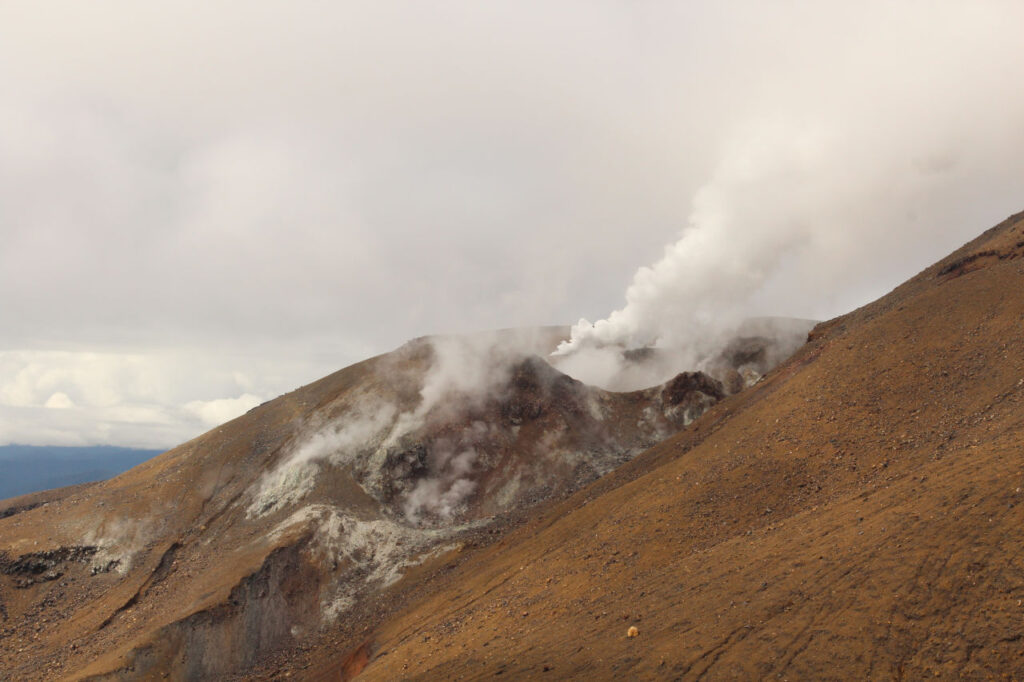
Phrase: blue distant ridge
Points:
(31, 468)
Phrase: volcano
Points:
(856, 514)
(459, 508)
(294, 519)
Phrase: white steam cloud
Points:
(462, 374)
(465, 371)
(360, 429)
(817, 197)
(267, 186)
(452, 462)
(729, 250)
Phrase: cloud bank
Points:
(283, 190)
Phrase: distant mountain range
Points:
(30, 468)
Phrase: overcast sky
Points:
(206, 204)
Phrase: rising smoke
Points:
(305, 162)
(801, 206)
(373, 427)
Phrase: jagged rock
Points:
(687, 386)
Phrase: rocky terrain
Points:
(461, 509)
(289, 523)
(857, 514)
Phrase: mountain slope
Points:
(290, 521)
(859, 513)
(855, 512)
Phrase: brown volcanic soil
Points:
(206, 560)
(856, 513)
(859, 513)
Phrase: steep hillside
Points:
(857, 514)
(290, 522)
(460, 509)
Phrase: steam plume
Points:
(796, 211)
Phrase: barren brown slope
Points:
(289, 522)
(858, 514)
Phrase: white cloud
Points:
(59, 401)
(71, 398)
(286, 189)
(215, 412)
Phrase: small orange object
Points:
(632, 631)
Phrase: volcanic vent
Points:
(455, 452)
(287, 521)
(857, 514)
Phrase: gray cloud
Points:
(276, 190)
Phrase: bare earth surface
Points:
(289, 526)
(855, 514)
(858, 514)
